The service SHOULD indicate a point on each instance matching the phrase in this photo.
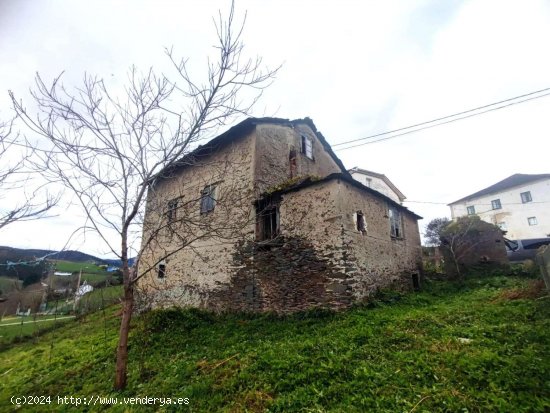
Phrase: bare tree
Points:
(109, 150)
(461, 240)
(14, 177)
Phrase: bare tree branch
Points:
(108, 150)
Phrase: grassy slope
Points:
(383, 359)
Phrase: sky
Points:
(357, 68)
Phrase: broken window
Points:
(360, 223)
(208, 199)
(172, 210)
(307, 146)
(396, 230)
(292, 163)
(267, 221)
(471, 210)
(161, 273)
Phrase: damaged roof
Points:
(510, 182)
(308, 182)
(242, 129)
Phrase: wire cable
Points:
(454, 116)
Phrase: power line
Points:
(475, 203)
(454, 116)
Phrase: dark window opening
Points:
(395, 223)
(307, 147)
(161, 270)
(360, 223)
(292, 163)
(171, 213)
(267, 221)
(208, 199)
(495, 204)
(471, 210)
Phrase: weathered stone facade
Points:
(290, 214)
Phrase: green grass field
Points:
(17, 328)
(86, 267)
(480, 347)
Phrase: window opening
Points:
(267, 221)
(395, 223)
(360, 223)
(161, 270)
(208, 199)
(307, 147)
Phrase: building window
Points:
(532, 221)
(526, 197)
(307, 147)
(495, 204)
(368, 182)
(395, 223)
(208, 199)
(360, 223)
(471, 210)
(161, 270)
(267, 222)
(172, 210)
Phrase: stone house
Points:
(265, 217)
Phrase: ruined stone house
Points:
(272, 221)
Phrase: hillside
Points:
(482, 347)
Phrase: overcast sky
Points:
(357, 68)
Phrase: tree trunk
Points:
(122, 349)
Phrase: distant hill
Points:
(20, 254)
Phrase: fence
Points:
(36, 314)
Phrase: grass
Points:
(20, 328)
(480, 347)
(8, 284)
(86, 267)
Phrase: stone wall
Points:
(193, 272)
(274, 144)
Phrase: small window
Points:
(307, 147)
(495, 204)
(526, 197)
(161, 270)
(471, 210)
(368, 182)
(360, 223)
(395, 223)
(208, 199)
(532, 221)
(172, 210)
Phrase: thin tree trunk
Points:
(122, 349)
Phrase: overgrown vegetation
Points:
(481, 346)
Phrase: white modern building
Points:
(378, 182)
(519, 205)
